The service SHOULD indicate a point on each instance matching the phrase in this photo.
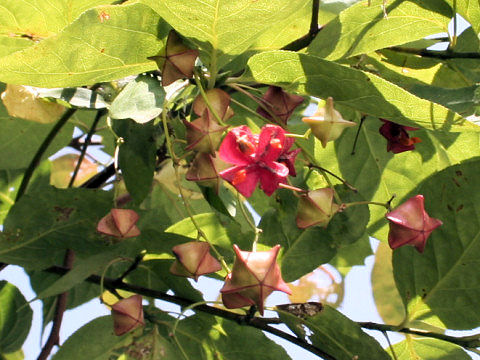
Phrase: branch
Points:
(86, 144)
(61, 306)
(305, 40)
(465, 341)
(256, 322)
(41, 151)
(442, 55)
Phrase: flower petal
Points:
(230, 150)
(248, 182)
(272, 176)
(271, 143)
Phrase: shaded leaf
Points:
(387, 299)
(15, 318)
(365, 92)
(47, 221)
(94, 341)
(137, 156)
(362, 29)
(440, 287)
(351, 255)
(335, 334)
(76, 97)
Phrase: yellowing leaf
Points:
(63, 167)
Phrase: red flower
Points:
(254, 276)
(280, 103)
(256, 158)
(397, 137)
(119, 223)
(410, 224)
(193, 260)
(127, 314)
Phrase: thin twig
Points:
(60, 307)
(41, 151)
(465, 341)
(314, 29)
(344, 182)
(442, 55)
(256, 322)
(86, 144)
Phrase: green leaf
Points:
(47, 221)
(78, 295)
(9, 183)
(362, 29)
(219, 234)
(76, 97)
(378, 174)
(351, 255)
(311, 249)
(141, 100)
(25, 22)
(203, 337)
(469, 9)
(137, 156)
(387, 299)
(440, 286)
(20, 139)
(428, 349)
(223, 29)
(78, 56)
(17, 355)
(83, 268)
(15, 318)
(358, 90)
(94, 341)
(335, 334)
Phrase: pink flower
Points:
(119, 223)
(410, 224)
(256, 158)
(279, 103)
(127, 315)
(397, 136)
(254, 276)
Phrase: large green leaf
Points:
(204, 338)
(22, 23)
(378, 175)
(441, 286)
(387, 299)
(78, 56)
(9, 181)
(94, 341)
(358, 90)
(141, 100)
(362, 29)
(351, 255)
(221, 235)
(137, 156)
(15, 318)
(335, 334)
(469, 9)
(428, 349)
(44, 223)
(221, 28)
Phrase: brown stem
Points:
(256, 322)
(442, 55)
(60, 307)
(305, 40)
